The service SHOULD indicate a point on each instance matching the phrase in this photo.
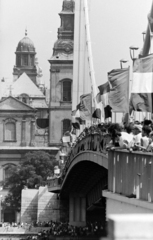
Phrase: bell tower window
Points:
(31, 60)
(66, 125)
(25, 60)
(66, 91)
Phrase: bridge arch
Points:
(85, 171)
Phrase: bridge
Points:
(97, 183)
(84, 177)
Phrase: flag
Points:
(97, 104)
(119, 90)
(104, 92)
(75, 119)
(85, 106)
(142, 85)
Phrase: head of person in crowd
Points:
(129, 127)
(150, 147)
(146, 130)
(147, 122)
(115, 130)
(137, 128)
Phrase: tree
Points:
(32, 172)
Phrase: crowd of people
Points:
(132, 136)
(52, 228)
(65, 230)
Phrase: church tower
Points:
(25, 59)
(61, 76)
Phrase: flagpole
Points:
(90, 58)
(91, 108)
(128, 115)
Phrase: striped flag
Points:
(104, 92)
(142, 85)
(119, 92)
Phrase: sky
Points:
(115, 25)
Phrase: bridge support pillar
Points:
(77, 211)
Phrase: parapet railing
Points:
(54, 182)
(131, 174)
(92, 142)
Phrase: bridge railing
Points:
(92, 142)
(131, 174)
(53, 182)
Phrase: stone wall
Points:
(29, 205)
(48, 206)
(41, 205)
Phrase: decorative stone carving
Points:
(63, 46)
(68, 6)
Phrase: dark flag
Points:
(103, 97)
(75, 120)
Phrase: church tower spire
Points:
(66, 30)
(25, 59)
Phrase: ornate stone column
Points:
(32, 131)
(23, 132)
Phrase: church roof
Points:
(12, 104)
(24, 85)
(25, 45)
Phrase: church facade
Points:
(24, 117)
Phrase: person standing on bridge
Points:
(120, 138)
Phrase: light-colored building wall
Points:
(117, 204)
(56, 129)
(64, 71)
(59, 110)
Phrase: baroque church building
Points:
(28, 121)
(24, 116)
(61, 76)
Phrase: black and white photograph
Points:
(76, 119)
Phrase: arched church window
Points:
(25, 60)
(66, 126)
(67, 91)
(24, 98)
(10, 130)
(6, 173)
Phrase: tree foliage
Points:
(32, 172)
